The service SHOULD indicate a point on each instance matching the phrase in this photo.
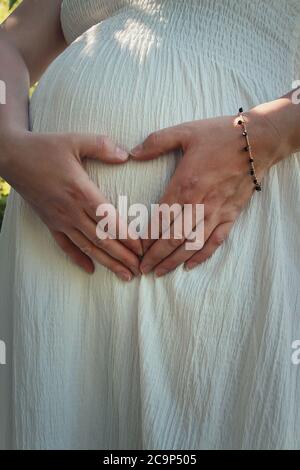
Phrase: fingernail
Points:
(139, 248)
(122, 154)
(161, 272)
(135, 270)
(124, 276)
(136, 150)
(190, 266)
(146, 269)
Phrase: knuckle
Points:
(96, 240)
(75, 192)
(175, 242)
(152, 138)
(104, 243)
(87, 249)
(189, 183)
(169, 265)
(102, 142)
(219, 237)
(219, 240)
(62, 212)
(59, 225)
(127, 261)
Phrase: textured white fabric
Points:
(194, 360)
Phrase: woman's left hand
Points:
(214, 171)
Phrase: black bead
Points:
(241, 110)
(255, 181)
(246, 148)
(258, 187)
(252, 172)
(251, 160)
(240, 122)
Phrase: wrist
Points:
(264, 139)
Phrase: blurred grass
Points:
(5, 5)
(4, 191)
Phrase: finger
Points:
(216, 239)
(185, 251)
(94, 199)
(100, 256)
(162, 219)
(171, 238)
(73, 252)
(187, 228)
(170, 207)
(120, 232)
(159, 143)
(180, 191)
(112, 247)
(99, 147)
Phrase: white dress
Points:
(194, 360)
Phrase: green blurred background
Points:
(5, 6)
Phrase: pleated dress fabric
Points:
(194, 360)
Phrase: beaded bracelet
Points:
(242, 123)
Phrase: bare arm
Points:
(284, 115)
(30, 39)
(46, 169)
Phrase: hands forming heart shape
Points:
(213, 171)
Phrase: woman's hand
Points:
(214, 171)
(47, 170)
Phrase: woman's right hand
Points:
(47, 171)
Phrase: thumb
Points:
(158, 143)
(99, 147)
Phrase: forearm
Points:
(15, 85)
(284, 116)
(15, 77)
(30, 39)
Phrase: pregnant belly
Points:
(98, 86)
(127, 84)
(127, 90)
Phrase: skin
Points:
(214, 171)
(46, 169)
